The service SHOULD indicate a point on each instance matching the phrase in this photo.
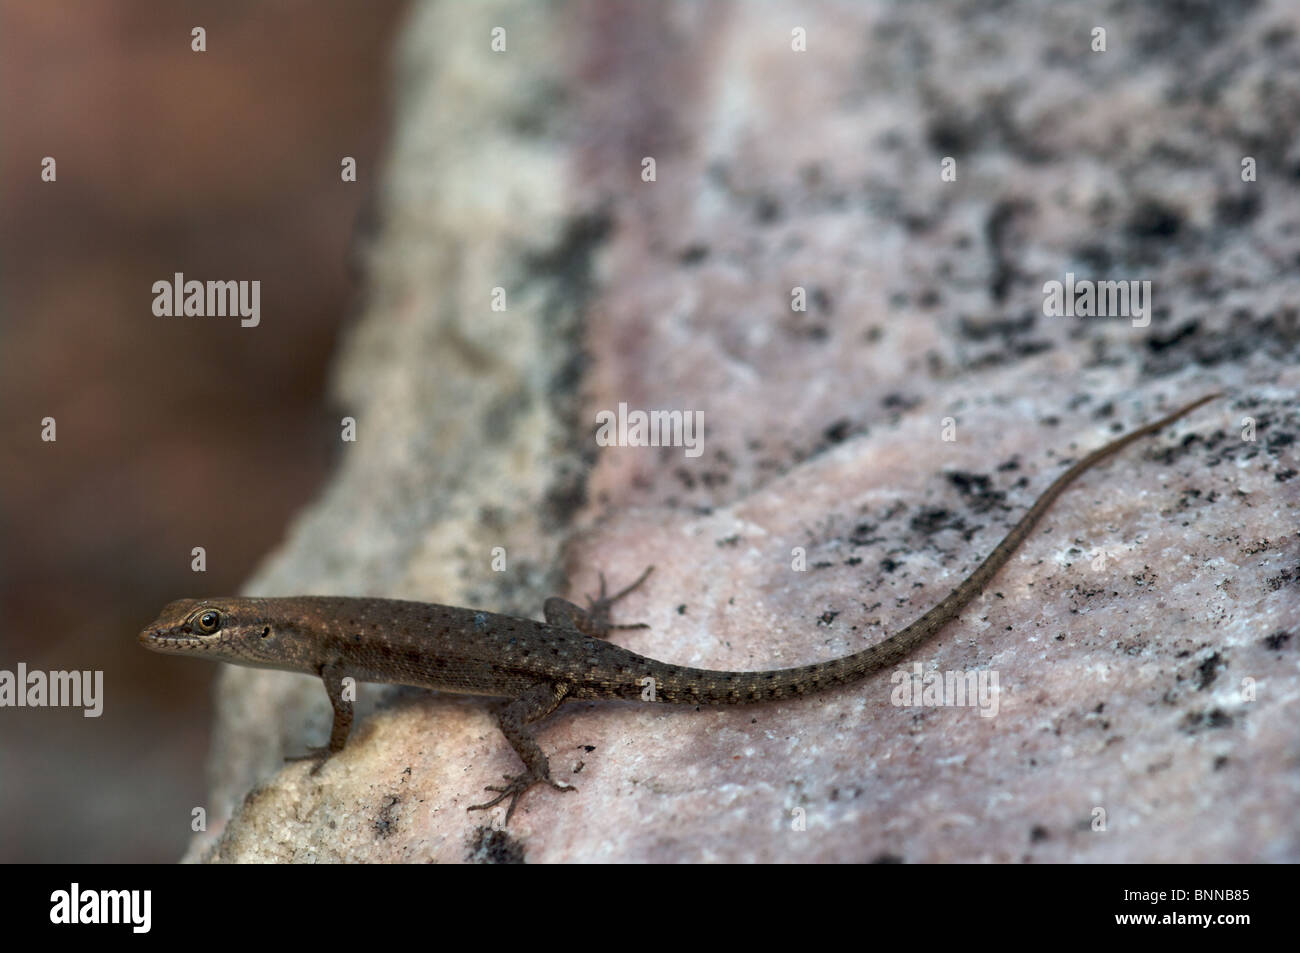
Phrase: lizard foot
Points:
(598, 608)
(514, 790)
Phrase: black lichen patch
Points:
(1153, 220)
(1185, 30)
(896, 401)
(487, 846)
(1211, 448)
(821, 300)
(1010, 339)
(767, 210)
(693, 254)
(1096, 258)
(1234, 211)
(385, 824)
(1275, 641)
(1197, 721)
(837, 432)
(978, 491)
(1000, 329)
(565, 273)
(1287, 577)
(1207, 672)
(1145, 578)
(1160, 342)
(864, 534)
(933, 519)
(1245, 334)
(998, 233)
(950, 134)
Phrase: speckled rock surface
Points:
(1146, 639)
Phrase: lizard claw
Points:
(319, 755)
(518, 784)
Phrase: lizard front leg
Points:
(513, 719)
(331, 677)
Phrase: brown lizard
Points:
(537, 665)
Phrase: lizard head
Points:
(234, 630)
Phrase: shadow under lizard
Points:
(536, 665)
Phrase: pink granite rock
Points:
(1144, 639)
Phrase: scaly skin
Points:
(537, 665)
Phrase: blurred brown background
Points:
(172, 432)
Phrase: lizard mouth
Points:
(161, 640)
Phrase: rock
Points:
(1143, 638)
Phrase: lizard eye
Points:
(208, 621)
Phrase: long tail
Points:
(704, 687)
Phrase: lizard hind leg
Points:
(514, 720)
(593, 621)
